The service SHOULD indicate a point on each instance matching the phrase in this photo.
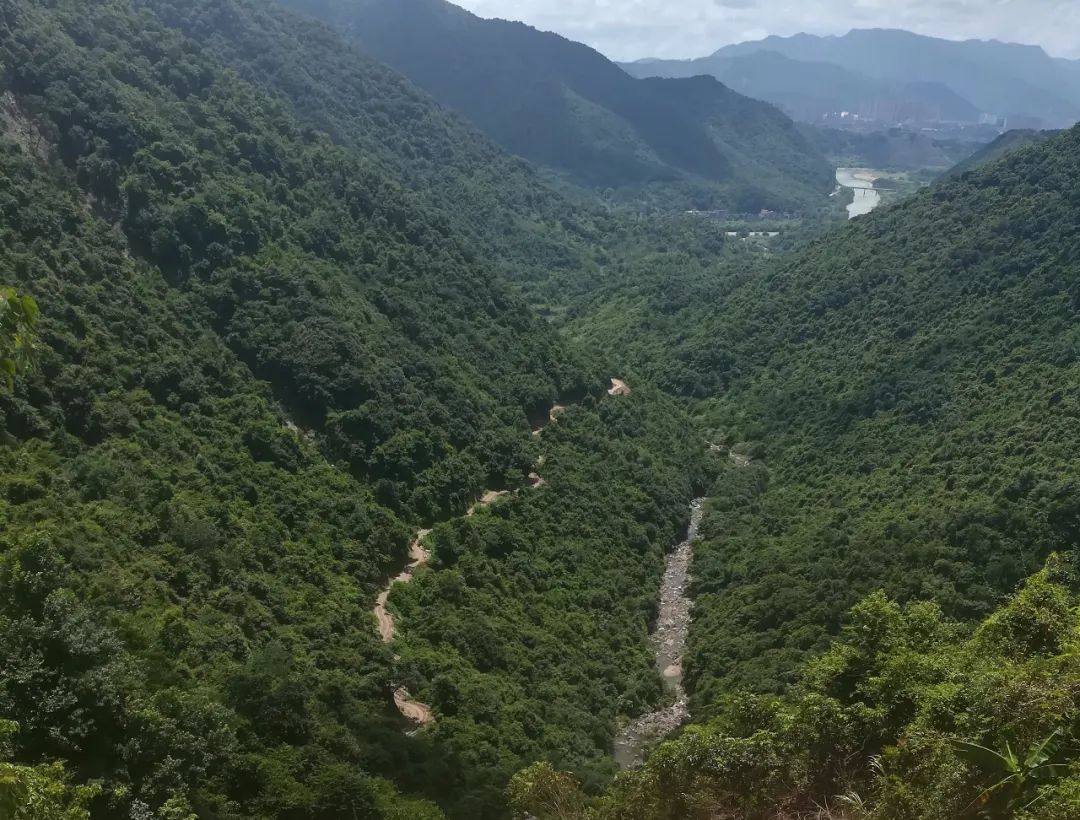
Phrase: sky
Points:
(631, 29)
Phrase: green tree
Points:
(18, 318)
(542, 792)
(38, 792)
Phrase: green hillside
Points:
(1005, 144)
(901, 399)
(906, 380)
(270, 351)
(909, 382)
(907, 715)
(315, 503)
(567, 108)
(906, 384)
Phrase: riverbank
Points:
(861, 183)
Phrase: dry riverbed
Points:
(669, 642)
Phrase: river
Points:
(861, 182)
(668, 641)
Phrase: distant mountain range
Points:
(894, 76)
(811, 91)
(567, 108)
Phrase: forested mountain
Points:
(566, 107)
(811, 91)
(901, 396)
(1005, 144)
(908, 381)
(275, 323)
(1004, 79)
(274, 342)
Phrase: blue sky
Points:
(629, 29)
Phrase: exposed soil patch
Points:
(412, 710)
(15, 125)
(618, 388)
(486, 500)
(739, 459)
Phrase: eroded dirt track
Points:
(413, 710)
(418, 556)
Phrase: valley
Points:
(320, 497)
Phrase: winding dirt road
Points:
(413, 710)
(418, 557)
(553, 416)
(419, 713)
(486, 500)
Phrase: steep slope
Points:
(909, 715)
(497, 202)
(265, 363)
(811, 91)
(566, 107)
(999, 78)
(913, 404)
(902, 397)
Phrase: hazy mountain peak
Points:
(1020, 83)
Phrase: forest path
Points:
(411, 709)
(418, 557)
(553, 415)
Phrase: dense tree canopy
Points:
(907, 386)
(293, 311)
(266, 357)
(907, 715)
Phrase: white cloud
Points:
(628, 29)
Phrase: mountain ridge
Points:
(566, 107)
(813, 91)
(1004, 79)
